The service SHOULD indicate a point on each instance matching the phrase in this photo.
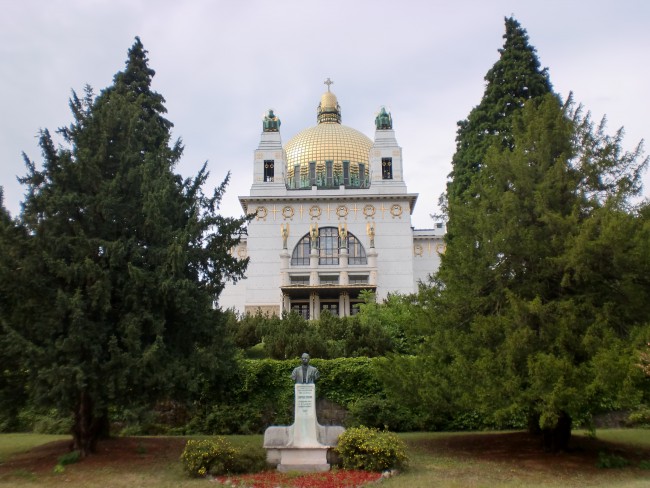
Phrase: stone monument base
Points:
(305, 459)
(303, 446)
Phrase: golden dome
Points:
(328, 101)
(329, 154)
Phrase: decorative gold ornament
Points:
(342, 211)
(417, 250)
(370, 230)
(314, 212)
(369, 210)
(343, 231)
(396, 210)
(241, 252)
(440, 248)
(287, 212)
(261, 212)
(284, 232)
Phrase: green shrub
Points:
(217, 457)
(639, 418)
(371, 450)
(611, 461)
(69, 458)
(382, 413)
(644, 464)
(250, 460)
(45, 421)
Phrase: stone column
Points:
(286, 303)
(343, 266)
(313, 268)
(344, 304)
(372, 264)
(314, 306)
(285, 258)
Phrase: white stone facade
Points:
(316, 245)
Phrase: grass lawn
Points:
(504, 459)
(16, 443)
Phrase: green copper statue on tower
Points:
(271, 122)
(383, 121)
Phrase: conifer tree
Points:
(543, 310)
(125, 260)
(515, 78)
(12, 378)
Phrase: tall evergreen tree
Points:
(544, 308)
(12, 377)
(515, 78)
(126, 261)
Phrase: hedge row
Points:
(263, 394)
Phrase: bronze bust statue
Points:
(305, 373)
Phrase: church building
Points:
(332, 218)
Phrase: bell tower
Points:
(269, 166)
(386, 155)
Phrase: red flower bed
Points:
(330, 479)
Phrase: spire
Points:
(328, 111)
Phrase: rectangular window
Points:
(268, 170)
(331, 307)
(312, 173)
(329, 279)
(358, 279)
(346, 173)
(329, 168)
(301, 308)
(354, 308)
(386, 168)
(362, 175)
(328, 244)
(296, 176)
(300, 280)
(300, 256)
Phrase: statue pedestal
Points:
(304, 445)
(305, 430)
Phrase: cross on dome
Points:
(328, 82)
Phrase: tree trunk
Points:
(88, 428)
(557, 438)
(533, 423)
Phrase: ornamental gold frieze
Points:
(430, 247)
(261, 213)
(383, 210)
(287, 212)
(240, 252)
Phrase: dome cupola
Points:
(330, 154)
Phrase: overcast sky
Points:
(221, 64)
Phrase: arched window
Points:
(328, 247)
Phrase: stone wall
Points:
(330, 413)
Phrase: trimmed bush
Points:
(215, 456)
(218, 457)
(371, 450)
